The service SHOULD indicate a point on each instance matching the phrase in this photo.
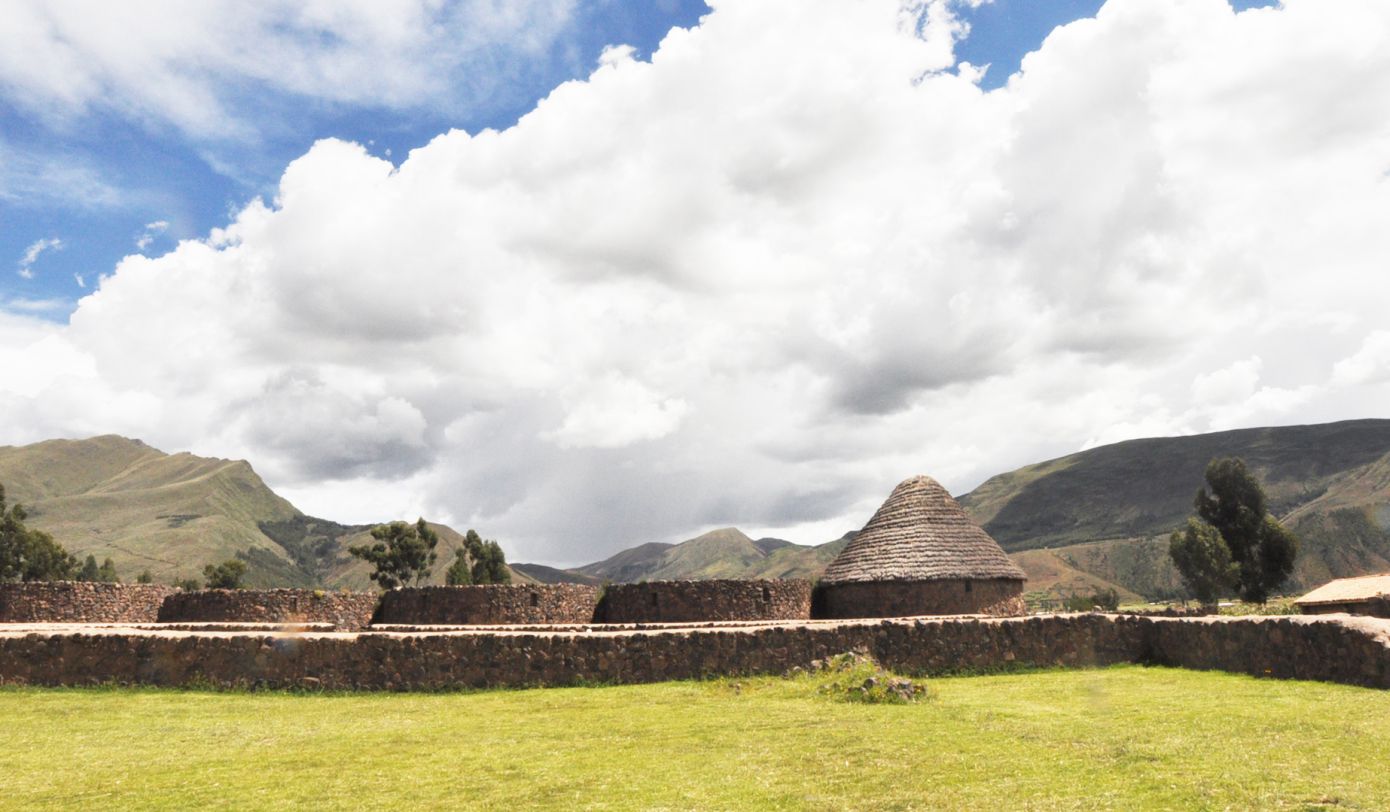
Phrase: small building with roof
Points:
(921, 554)
(1364, 595)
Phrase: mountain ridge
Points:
(171, 514)
(1099, 518)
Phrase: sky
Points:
(583, 275)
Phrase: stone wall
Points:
(1338, 649)
(80, 602)
(347, 611)
(695, 601)
(1001, 597)
(1378, 606)
(489, 604)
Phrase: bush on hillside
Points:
(227, 575)
(27, 554)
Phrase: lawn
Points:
(1120, 738)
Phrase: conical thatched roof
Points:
(920, 534)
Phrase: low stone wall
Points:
(1378, 606)
(1000, 597)
(347, 611)
(1348, 650)
(1344, 649)
(80, 602)
(489, 604)
(695, 601)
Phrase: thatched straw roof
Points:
(1348, 590)
(920, 534)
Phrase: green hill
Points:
(173, 513)
(724, 553)
(1105, 513)
(1099, 519)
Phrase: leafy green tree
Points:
(144, 578)
(226, 575)
(459, 573)
(107, 572)
(27, 554)
(1203, 560)
(490, 567)
(1260, 551)
(402, 553)
(90, 571)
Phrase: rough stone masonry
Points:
(1331, 648)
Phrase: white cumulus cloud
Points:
(792, 259)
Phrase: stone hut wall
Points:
(80, 602)
(1000, 597)
(1378, 606)
(489, 604)
(696, 601)
(347, 611)
(1330, 649)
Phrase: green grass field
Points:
(1119, 738)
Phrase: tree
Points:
(458, 573)
(27, 554)
(490, 567)
(188, 584)
(1259, 551)
(1203, 560)
(107, 572)
(226, 575)
(144, 578)
(402, 553)
(90, 571)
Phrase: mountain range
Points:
(171, 514)
(1100, 518)
(1097, 519)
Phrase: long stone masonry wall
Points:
(997, 597)
(1338, 649)
(494, 604)
(81, 602)
(714, 600)
(347, 611)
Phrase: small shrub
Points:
(189, 584)
(857, 677)
(226, 575)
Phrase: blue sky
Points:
(96, 181)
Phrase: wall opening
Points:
(767, 595)
(535, 599)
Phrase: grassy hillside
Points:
(1102, 516)
(1144, 487)
(724, 553)
(172, 514)
(1100, 519)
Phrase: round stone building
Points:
(920, 554)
